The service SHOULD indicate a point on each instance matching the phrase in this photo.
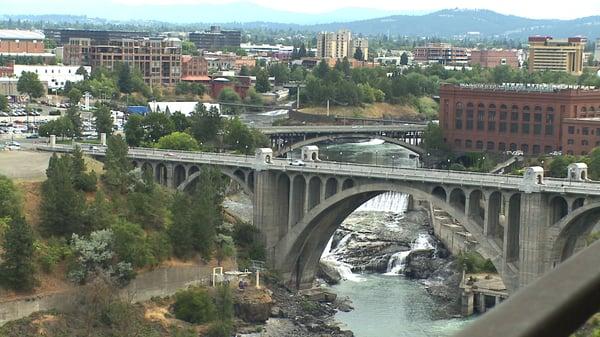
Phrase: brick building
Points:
(535, 119)
(490, 58)
(21, 42)
(193, 67)
(442, 53)
(158, 59)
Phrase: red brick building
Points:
(21, 42)
(534, 119)
(490, 58)
(194, 68)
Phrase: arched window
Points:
(501, 146)
(514, 113)
(490, 146)
(479, 145)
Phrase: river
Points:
(384, 304)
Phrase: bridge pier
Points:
(531, 236)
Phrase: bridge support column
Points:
(266, 212)
(170, 176)
(532, 238)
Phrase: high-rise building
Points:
(339, 45)
(547, 53)
(158, 59)
(597, 51)
(216, 39)
(65, 36)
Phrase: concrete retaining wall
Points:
(159, 282)
(453, 235)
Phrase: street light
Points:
(376, 161)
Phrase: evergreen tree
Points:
(205, 124)
(147, 203)
(62, 206)
(17, 268)
(182, 226)
(157, 125)
(404, 59)
(262, 81)
(99, 214)
(302, 51)
(134, 130)
(244, 71)
(75, 117)
(358, 54)
(116, 164)
(3, 103)
(10, 201)
(125, 79)
(180, 121)
(103, 120)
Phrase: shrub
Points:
(220, 329)
(159, 246)
(473, 262)
(51, 253)
(130, 244)
(194, 305)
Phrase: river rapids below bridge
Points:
(399, 278)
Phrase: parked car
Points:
(33, 136)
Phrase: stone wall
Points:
(450, 232)
(162, 281)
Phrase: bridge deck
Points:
(504, 182)
(270, 130)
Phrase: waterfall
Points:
(397, 261)
(387, 202)
(329, 257)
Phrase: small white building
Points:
(185, 108)
(55, 75)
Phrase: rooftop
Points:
(13, 34)
(526, 87)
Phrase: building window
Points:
(571, 130)
(502, 127)
(457, 142)
(549, 130)
(469, 124)
(502, 115)
(501, 146)
(514, 115)
(479, 145)
(491, 115)
(537, 129)
(585, 142)
(547, 149)
(514, 128)
(526, 116)
(537, 117)
(468, 143)
(458, 124)
(570, 141)
(513, 147)
(536, 149)
(525, 148)
(525, 128)
(491, 126)
(490, 146)
(585, 131)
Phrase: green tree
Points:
(99, 214)
(30, 84)
(281, 73)
(224, 303)
(358, 54)
(239, 137)
(157, 125)
(224, 248)
(433, 138)
(194, 306)
(558, 166)
(302, 51)
(147, 203)
(3, 103)
(182, 226)
(10, 200)
(594, 164)
(82, 180)
(404, 59)
(254, 98)
(62, 127)
(130, 244)
(228, 95)
(244, 71)
(178, 141)
(180, 121)
(125, 79)
(116, 164)
(262, 81)
(75, 96)
(74, 116)
(82, 71)
(205, 124)
(17, 267)
(103, 120)
(62, 206)
(189, 48)
(134, 130)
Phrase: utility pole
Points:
(327, 108)
(298, 97)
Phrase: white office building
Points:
(56, 76)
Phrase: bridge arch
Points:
(315, 140)
(440, 193)
(179, 174)
(458, 199)
(571, 231)
(331, 187)
(299, 251)
(227, 172)
(558, 209)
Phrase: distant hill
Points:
(444, 23)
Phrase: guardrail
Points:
(357, 170)
(555, 305)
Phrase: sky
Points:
(527, 8)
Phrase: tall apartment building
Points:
(490, 58)
(158, 59)
(340, 44)
(547, 53)
(216, 39)
(14, 42)
(65, 36)
(532, 118)
(597, 51)
(442, 53)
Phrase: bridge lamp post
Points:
(376, 161)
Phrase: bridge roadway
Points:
(526, 225)
(484, 180)
(338, 129)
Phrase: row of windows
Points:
(584, 131)
(502, 127)
(491, 146)
(584, 142)
(503, 107)
(514, 116)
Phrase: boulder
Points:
(318, 295)
(419, 264)
(253, 305)
(328, 272)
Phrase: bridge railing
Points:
(556, 304)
